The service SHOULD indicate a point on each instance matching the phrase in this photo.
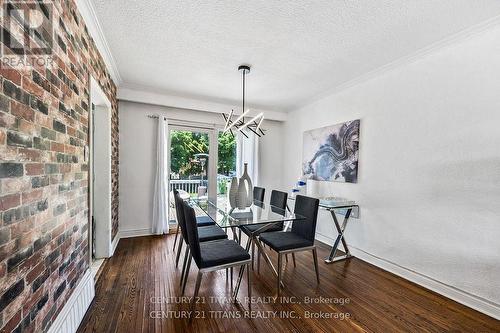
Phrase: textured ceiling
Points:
(297, 49)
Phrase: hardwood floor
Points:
(138, 282)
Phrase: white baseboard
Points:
(74, 310)
(473, 301)
(114, 243)
(135, 233)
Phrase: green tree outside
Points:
(185, 144)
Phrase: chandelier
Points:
(240, 124)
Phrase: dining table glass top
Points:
(258, 213)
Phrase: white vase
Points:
(233, 192)
(245, 191)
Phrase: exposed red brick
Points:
(6, 119)
(35, 272)
(32, 196)
(33, 169)
(29, 154)
(15, 184)
(13, 322)
(70, 149)
(8, 249)
(43, 120)
(3, 269)
(43, 185)
(64, 168)
(55, 146)
(26, 126)
(33, 259)
(9, 201)
(21, 110)
(58, 231)
(71, 131)
(10, 74)
(2, 137)
(33, 88)
(19, 229)
(35, 297)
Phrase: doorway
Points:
(100, 242)
(202, 162)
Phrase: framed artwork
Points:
(331, 153)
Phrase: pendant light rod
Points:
(254, 125)
(245, 69)
(243, 101)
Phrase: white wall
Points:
(429, 168)
(138, 151)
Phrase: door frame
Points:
(98, 99)
(213, 152)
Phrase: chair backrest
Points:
(192, 232)
(307, 207)
(278, 199)
(179, 212)
(258, 195)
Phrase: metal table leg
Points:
(266, 258)
(341, 230)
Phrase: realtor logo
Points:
(27, 28)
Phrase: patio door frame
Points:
(213, 152)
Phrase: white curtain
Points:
(160, 197)
(247, 151)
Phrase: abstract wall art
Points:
(331, 153)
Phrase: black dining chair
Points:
(278, 205)
(202, 221)
(300, 238)
(213, 256)
(258, 200)
(258, 195)
(206, 233)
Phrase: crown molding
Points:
(146, 95)
(88, 13)
(405, 60)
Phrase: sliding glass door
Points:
(226, 162)
(202, 163)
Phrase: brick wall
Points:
(43, 175)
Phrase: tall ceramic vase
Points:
(245, 190)
(233, 192)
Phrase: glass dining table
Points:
(259, 213)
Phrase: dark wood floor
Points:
(138, 281)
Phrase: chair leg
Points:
(280, 263)
(235, 236)
(238, 282)
(239, 236)
(178, 253)
(196, 289)
(286, 258)
(186, 275)
(176, 235)
(249, 281)
(231, 270)
(253, 253)
(258, 261)
(293, 257)
(186, 254)
(315, 255)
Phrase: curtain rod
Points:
(187, 123)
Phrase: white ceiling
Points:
(297, 49)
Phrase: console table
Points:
(332, 206)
